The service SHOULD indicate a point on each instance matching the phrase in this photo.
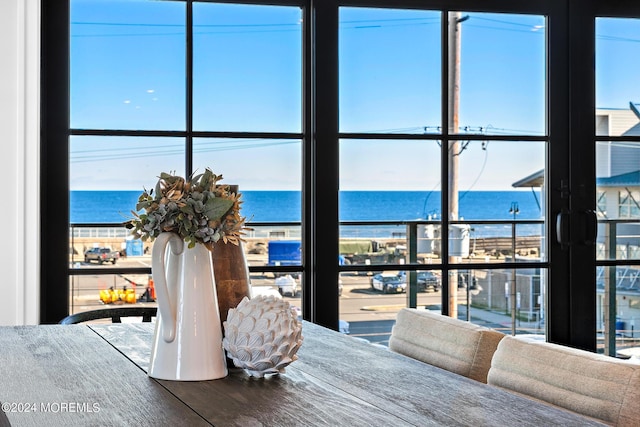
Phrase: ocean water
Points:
(285, 206)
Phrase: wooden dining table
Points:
(96, 375)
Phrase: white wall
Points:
(19, 163)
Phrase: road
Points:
(370, 313)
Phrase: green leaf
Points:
(217, 207)
(187, 209)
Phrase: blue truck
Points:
(289, 252)
(285, 252)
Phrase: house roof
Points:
(633, 131)
(625, 179)
(536, 179)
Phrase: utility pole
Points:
(454, 146)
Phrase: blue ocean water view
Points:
(285, 206)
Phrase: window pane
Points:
(379, 183)
(247, 68)
(617, 324)
(376, 164)
(500, 180)
(254, 164)
(618, 179)
(492, 175)
(489, 298)
(618, 239)
(617, 48)
(127, 64)
(122, 163)
(389, 70)
(268, 175)
(92, 292)
(502, 63)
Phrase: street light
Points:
(515, 210)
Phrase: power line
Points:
(80, 156)
(141, 152)
(348, 24)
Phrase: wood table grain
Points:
(342, 381)
(66, 375)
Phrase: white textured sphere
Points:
(262, 335)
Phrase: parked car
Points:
(287, 285)
(426, 280)
(101, 255)
(388, 283)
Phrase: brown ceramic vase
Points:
(231, 274)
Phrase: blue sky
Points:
(128, 67)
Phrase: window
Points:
(617, 166)
(398, 96)
(386, 136)
(628, 204)
(178, 87)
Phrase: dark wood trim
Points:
(307, 201)
(188, 149)
(321, 290)
(581, 306)
(557, 174)
(54, 161)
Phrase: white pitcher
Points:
(187, 344)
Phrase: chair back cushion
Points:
(445, 342)
(591, 384)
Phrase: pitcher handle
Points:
(165, 304)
